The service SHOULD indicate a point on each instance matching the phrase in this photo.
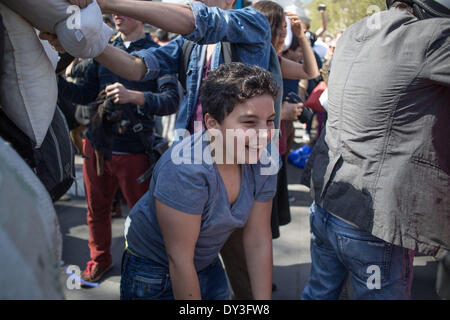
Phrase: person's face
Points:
(247, 130)
(278, 41)
(294, 55)
(331, 48)
(125, 24)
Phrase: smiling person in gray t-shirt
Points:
(202, 191)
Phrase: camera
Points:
(321, 7)
(307, 113)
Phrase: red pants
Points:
(122, 170)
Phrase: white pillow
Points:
(28, 85)
(83, 35)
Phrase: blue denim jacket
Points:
(247, 28)
(158, 101)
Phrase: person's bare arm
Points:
(257, 242)
(175, 18)
(122, 63)
(294, 70)
(323, 28)
(81, 3)
(180, 233)
(172, 17)
(118, 61)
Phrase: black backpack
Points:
(229, 55)
(54, 161)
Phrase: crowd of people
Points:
(379, 172)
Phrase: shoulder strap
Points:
(137, 127)
(228, 50)
(229, 53)
(186, 51)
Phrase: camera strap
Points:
(138, 128)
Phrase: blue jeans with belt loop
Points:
(378, 269)
(143, 279)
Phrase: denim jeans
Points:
(378, 270)
(143, 279)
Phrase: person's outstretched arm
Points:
(171, 17)
(118, 61)
(176, 18)
(123, 64)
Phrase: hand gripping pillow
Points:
(28, 87)
(82, 33)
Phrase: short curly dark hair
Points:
(231, 84)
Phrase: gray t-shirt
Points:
(195, 188)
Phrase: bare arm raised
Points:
(293, 70)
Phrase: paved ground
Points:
(291, 251)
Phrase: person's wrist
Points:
(263, 296)
(138, 98)
(301, 36)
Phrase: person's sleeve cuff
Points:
(176, 205)
(199, 10)
(152, 64)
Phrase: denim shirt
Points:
(247, 28)
(157, 101)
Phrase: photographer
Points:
(126, 150)
(381, 169)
